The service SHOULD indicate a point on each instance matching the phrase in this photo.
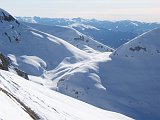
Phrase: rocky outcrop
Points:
(4, 16)
(7, 18)
(138, 48)
(21, 73)
(5, 63)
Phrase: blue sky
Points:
(143, 10)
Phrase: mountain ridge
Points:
(110, 33)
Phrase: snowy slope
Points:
(132, 77)
(126, 81)
(72, 36)
(24, 100)
(31, 50)
(144, 45)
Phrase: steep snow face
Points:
(24, 100)
(74, 37)
(11, 109)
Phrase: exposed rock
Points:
(158, 51)
(21, 73)
(5, 64)
(138, 48)
(17, 22)
(7, 18)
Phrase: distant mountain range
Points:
(110, 33)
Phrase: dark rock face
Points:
(21, 73)
(5, 63)
(8, 18)
(9, 27)
(138, 48)
(17, 22)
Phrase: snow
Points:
(1, 62)
(11, 109)
(47, 104)
(36, 34)
(133, 77)
(135, 24)
(127, 29)
(72, 36)
(83, 26)
(125, 81)
(27, 19)
(47, 54)
(146, 44)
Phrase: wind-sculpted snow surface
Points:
(125, 81)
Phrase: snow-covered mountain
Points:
(31, 50)
(72, 36)
(113, 38)
(146, 44)
(132, 76)
(37, 52)
(111, 33)
(125, 81)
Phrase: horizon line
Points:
(98, 19)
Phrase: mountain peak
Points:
(9, 27)
(145, 44)
(6, 17)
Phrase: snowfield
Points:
(123, 83)
(73, 37)
(45, 103)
